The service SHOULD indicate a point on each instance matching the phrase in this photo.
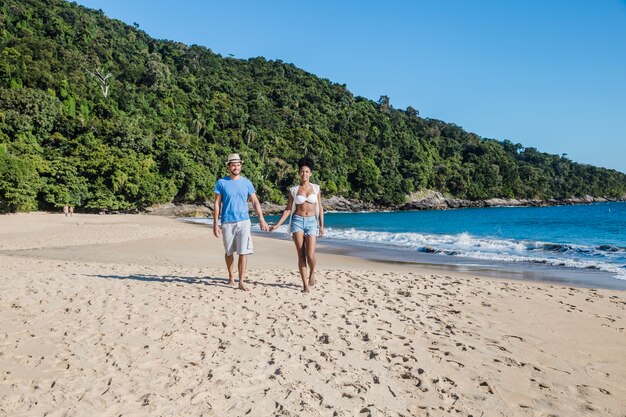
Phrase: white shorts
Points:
(237, 238)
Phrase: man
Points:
(231, 201)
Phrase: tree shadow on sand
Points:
(207, 280)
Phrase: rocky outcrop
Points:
(428, 200)
(179, 210)
(335, 203)
(434, 200)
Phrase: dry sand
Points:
(131, 316)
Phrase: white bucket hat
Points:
(233, 157)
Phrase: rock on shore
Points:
(434, 200)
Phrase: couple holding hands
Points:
(304, 208)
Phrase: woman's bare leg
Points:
(298, 240)
(309, 246)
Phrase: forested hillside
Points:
(96, 113)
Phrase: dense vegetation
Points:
(95, 113)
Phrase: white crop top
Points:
(311, 198)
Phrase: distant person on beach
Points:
(232, 194)
(71, 210)
(306, 222)
(66, 210)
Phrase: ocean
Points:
(581, 245)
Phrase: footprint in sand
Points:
(586, 389)
(485, 387)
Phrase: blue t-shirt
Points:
(235, 194)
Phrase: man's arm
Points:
(257, 208)
(217, 207)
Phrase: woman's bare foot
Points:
(312, 281)
(242, 288)
(231, 283)
(306, 289)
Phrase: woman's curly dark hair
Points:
(306, 162)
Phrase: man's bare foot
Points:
(306, 289)
(231, 283)
(312, 281)
(242, 288)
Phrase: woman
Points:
(307, 220)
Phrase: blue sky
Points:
(550, 74)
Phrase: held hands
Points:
(273, 227)
(264, 226)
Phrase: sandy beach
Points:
(131, 316)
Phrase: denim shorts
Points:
(307, 225)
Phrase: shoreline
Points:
(131, 315)
(502, 270)
(508, 270)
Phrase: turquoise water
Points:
(584, 225)
(587, 237)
